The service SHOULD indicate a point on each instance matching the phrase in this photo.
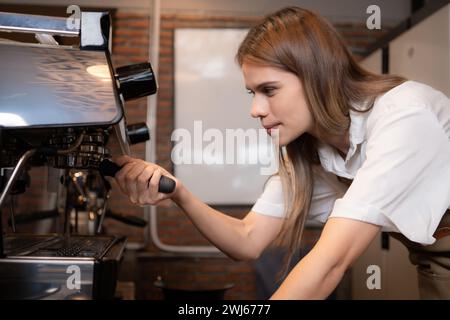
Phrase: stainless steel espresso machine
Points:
(59, 107)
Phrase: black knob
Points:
(136, 80)
(109, 168)
(138, 132)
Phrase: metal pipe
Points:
(152, 101)
(102, 217)
(27, 23)
(22, 161)
(12, 214)
(73, 147)
(151, 149)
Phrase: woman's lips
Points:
(271, 129)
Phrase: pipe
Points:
(20, 164)
(150, 155)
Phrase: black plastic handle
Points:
(127, 219)
(109, 169)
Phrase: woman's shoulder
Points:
(410, 95)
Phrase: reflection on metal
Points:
(53, 86)
(46, 39)
(100, 71)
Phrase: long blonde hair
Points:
(299, 41)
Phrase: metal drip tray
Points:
(54, 267)
(58, 246)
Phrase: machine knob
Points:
(138, 132)
(136, 80)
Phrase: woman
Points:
(363, 153)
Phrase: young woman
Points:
(362, 153)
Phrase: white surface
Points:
(209, 87)
(423, 52)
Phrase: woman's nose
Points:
(258, 109)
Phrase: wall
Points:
(337, 11)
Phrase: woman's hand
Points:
(139, 180)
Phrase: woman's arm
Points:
(240, 239)
(319, 272)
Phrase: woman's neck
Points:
(340, 142)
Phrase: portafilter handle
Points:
(109, 169)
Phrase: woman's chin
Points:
(281, 139)
(282, 142)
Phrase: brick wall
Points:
(130, 45)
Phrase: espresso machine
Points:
(59, 108)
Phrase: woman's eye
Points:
(269, 91)
(250, 92)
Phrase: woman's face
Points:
(278, 100)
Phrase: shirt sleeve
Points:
(405, 179)
(271, 201)
(326, 190)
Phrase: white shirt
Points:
(399, 161)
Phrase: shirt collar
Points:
(331, 160)
(357, 131)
